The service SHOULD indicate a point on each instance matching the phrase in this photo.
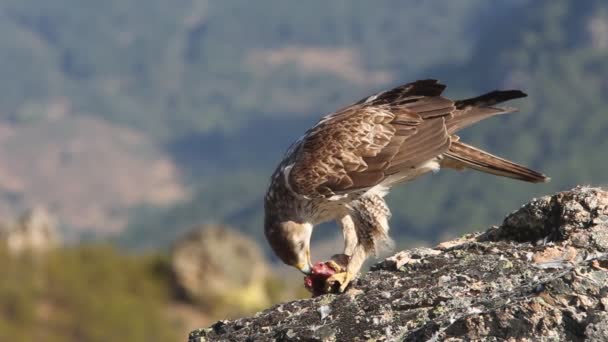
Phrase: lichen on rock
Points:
(541, 275)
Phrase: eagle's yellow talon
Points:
(343, 278)
(334, 265)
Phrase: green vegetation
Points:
(93, 292)
(88, 293)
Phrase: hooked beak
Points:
(305, 267)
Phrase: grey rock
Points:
(541, 276)
(216, 267)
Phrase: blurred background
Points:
(137, 138)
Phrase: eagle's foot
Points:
(339, 281)
(335, 265)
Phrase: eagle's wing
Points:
(357, 147)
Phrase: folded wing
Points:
(357, 147)
(392, 132)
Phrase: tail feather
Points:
(481, 107)
(461, 155)
(490, 99)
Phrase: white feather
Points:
(373, 97)
(286, 171)
(410, 174)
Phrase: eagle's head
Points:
(290, 241)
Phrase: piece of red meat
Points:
(315, 282)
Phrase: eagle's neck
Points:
(280, 202)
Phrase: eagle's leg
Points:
(350, 234)
(348, 273)
(370, 217)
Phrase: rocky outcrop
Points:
(217, 267)
(34, 232)
(541, 275)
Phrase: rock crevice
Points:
(541, 275)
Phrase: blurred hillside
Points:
(158, 115)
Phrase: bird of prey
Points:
(342, 168)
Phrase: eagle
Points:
(342, 168)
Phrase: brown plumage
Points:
(345, 164)
(461, 156)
